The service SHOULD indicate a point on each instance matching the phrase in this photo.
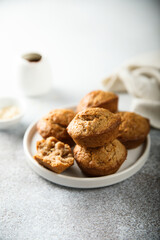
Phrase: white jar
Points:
(33, 75)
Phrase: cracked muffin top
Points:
(99, 98)
(54, 154)
(102, 160)
(55, 123)
(133, 126)
(92, 121)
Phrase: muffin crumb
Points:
(54, 154)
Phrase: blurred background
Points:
(83, 40)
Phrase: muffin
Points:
(133, 129)
(54, 124)
(94, 127)
(54, 155)
(100, 161)
(99, 98)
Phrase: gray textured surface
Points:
(33, 208)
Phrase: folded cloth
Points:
(141, 78)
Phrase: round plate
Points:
(73, 177)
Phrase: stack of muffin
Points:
(100, 133)
(97, 152)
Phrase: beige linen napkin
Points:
(141, 78)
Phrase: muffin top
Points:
(133, 126)
(60, 116)
(105, 157)
(92, 121)
(95, 98)
(55, 123)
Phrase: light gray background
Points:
(84, 41)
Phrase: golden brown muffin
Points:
(100, 161)
(99, 98)
(133, 129)
(54, 154)
(94, 127)
(55, 123)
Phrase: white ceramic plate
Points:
(73, 177)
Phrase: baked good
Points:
(55, 123)
(133, 129)
(94, 127)
(99, 98)
(100, 161)
(54, 154)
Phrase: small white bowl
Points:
(11, 101)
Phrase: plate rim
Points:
(86, 182)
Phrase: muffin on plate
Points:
(55, 123)
(54, 155)
(100, 161)
(99, 98)
(94, 127)
(133, 129)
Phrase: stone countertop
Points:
(33, 208)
